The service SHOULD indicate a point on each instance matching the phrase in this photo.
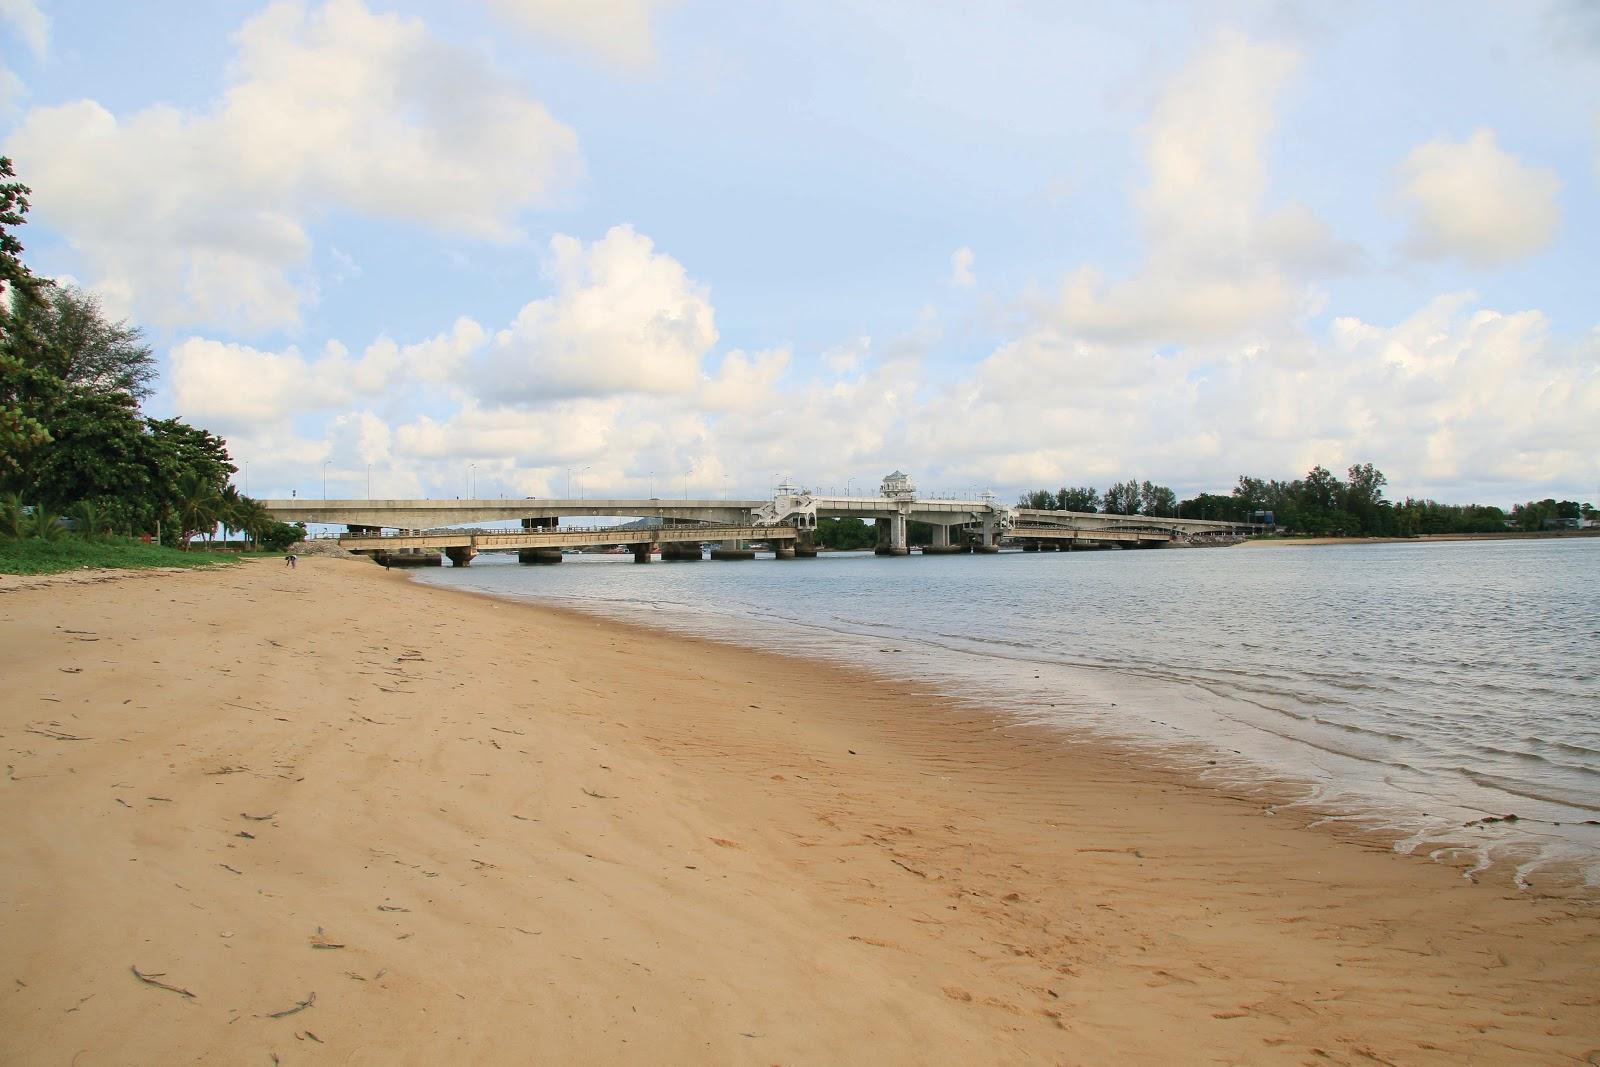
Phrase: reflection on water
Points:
(1422, 686)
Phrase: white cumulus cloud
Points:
(619, 31)
(1217, 262)
(24, 17)
(1474, 200)
(335, 108)
(624, 319)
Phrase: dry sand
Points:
(493, 833)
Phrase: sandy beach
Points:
(332, 816)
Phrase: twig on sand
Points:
(598, 796)
(54, 734)
(903, 867)
(258, 818)
(321, 940)
(300, 1005)
(155, 980)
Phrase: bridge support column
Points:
(460, 556)
(805, 546)
(539, 556)
(783, 549)
(641, 553)
(988, 540)
(1030, 546)
(941, 543)
(892, 537)
(681, 551)
(731, 549)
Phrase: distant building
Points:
(897, 486)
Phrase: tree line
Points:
(1122, 498)
(73, 441)
(1321, 504)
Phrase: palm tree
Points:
(254, 519)
(91, 522)
(14, 524)
(228, 509)
(46, 525)
(197, 505)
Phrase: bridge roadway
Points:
(544, 545)
(428, 514)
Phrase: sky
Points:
(643, 247)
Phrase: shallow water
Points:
(1416, 687)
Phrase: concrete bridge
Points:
(979, 525)
(544, 545)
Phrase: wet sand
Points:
(499, 833)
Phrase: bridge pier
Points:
(805, 546)
(783, 549)
(892, 537)
(941, 543)
(681, 551)
(460, 556)
(641, 553)
(538, 556)
(731, 549)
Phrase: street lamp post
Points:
(325, 478)
(369, 481)
(652, 485)
(471, 468)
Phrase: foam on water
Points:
(1415, 688)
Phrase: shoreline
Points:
(1502, 838)
(698, 841)
(1509, 535)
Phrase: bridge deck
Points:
(1067, 533)
(612, 535)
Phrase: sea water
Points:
(1418, 688)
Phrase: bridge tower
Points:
(892, 531)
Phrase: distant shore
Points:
(331, 811)
(1509, 535)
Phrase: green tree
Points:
(845, 534)
(1078, 498)
(21, 433)
(276, 536)
(67, 335)
(1157, 500)
(98, 454)
(1123, 498)
(197, 505)
(1038, 500)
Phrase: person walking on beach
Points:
(288, 561)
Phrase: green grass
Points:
(38, 556)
